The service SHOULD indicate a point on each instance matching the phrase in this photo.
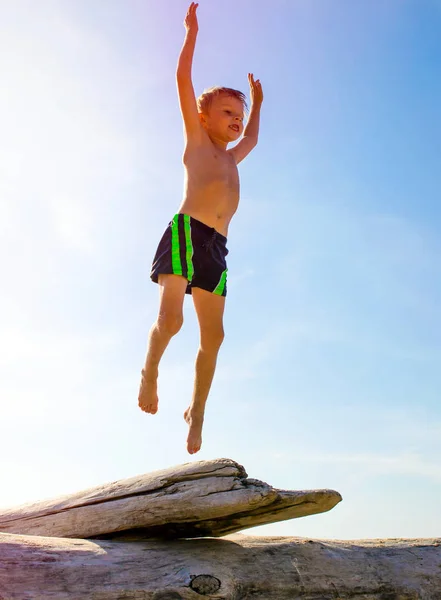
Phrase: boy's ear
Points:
(203, 118)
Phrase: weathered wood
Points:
(205, 498)
(233, 568)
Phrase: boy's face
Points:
(224, 119)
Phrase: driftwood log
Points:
(205, 498)
(233, 568)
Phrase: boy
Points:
(191, 254)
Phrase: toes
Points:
(193, 448)
(152, 409)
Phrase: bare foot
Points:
(148, 395)
(195, 421)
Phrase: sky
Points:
(329, 375)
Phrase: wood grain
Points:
(205, 498)
(233, 568)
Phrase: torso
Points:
(211, 187)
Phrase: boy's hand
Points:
(256, 93)
(191, 20)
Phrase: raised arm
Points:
(187, 100)
(251, 131)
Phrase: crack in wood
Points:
(159, 491)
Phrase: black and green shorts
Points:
(194, 250)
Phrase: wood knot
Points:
(205, 584)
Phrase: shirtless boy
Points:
(191, 254)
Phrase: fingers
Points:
(253, 83)
(191, 19)
(256, 92)
(192, 9)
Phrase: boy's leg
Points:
(172, 291)
(210, 310)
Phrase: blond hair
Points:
(206, 98)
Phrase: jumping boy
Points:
(191, 254)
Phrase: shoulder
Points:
(242, 149)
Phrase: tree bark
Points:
(233, 568)
(205, 498)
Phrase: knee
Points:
(170, 323)
(212, 340)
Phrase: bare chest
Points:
(213, 168)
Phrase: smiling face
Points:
(224, 119)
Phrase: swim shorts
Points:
(194, 250)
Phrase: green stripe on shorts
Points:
(176, 255)
(188, 247)
(219, 290)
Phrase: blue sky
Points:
(329, 374)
